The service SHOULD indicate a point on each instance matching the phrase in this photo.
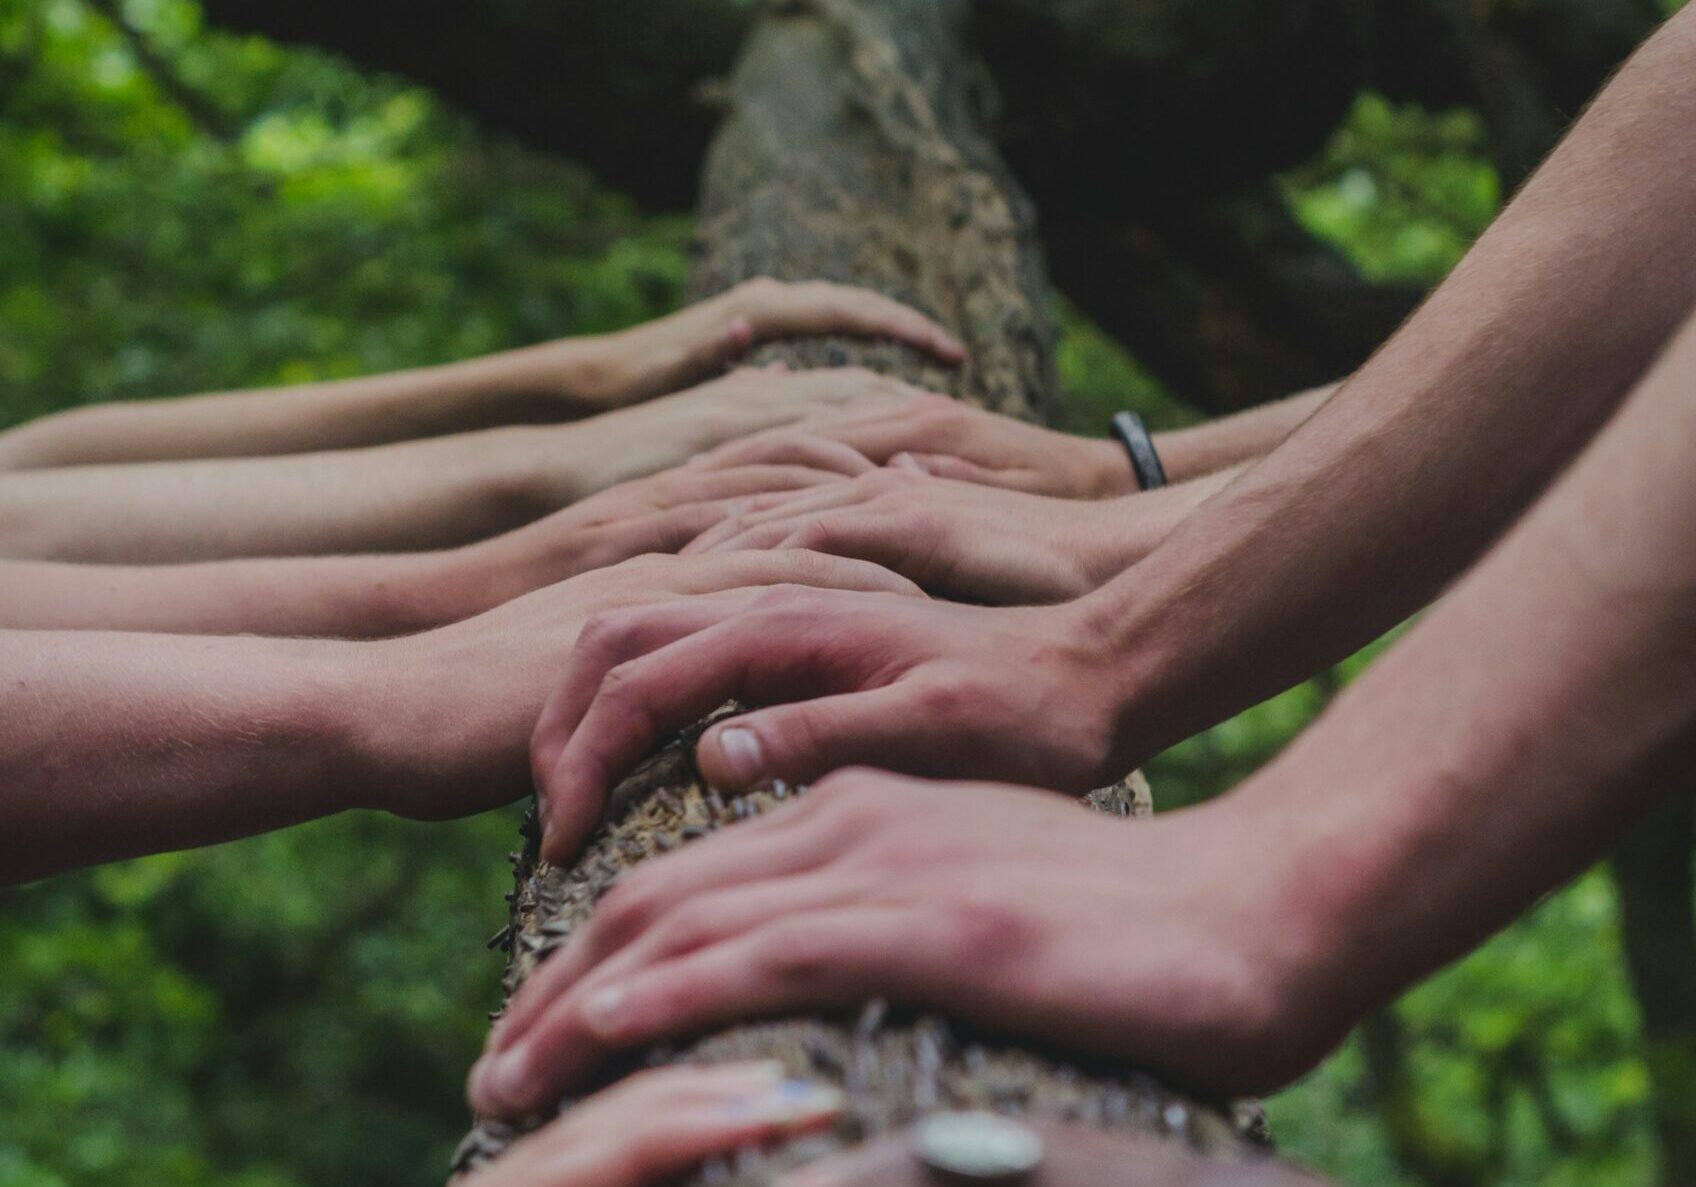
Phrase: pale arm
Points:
(555, 381)
(414, 496)
(1489, 756)
(1426, 455)
(1517, 730)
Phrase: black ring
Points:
(1133, 434)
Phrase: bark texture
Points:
(853, 150)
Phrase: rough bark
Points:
(853, 150)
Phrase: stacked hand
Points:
(1025, 693)
(1166, 943)
(440, 719)
(691, 344)
(956, 539)
(943, 437)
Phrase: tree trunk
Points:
(854, 150)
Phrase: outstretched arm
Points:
(116, 745)
(414, 496)
(1397, 483)
(1488, 757)
(552, 382)
(382, 595)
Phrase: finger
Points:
(886, 1162)
(790, 507)
(820, 307)
(559, 1043)
(802, 961)
(883, 727)
(724, 572)
(734, 538)
(744, 481)
(774, 846)
(786, 447)
(606, 641)
(656, 1125)
(771, 657)
(943, 465)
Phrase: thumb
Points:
(809, 739)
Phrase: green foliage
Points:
(300, 1009)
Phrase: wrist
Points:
(428, 730)
(1103, 470)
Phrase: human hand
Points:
(1073, 1156)
(659, 513)
(632, 442)
(440, 720)
(1181, 944)
(948, 439)
(656, 1125)
(956, 539)
(689, 345)
(934, 688)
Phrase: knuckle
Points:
(795, 953)
(984, 929)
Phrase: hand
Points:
(632, 442)
(657, 1125)
(1073, 1156)
(956, 539)
(1176, 944)
(690, 345)
(924, 687)
(657, 514)
(440, 720)
(948, 439)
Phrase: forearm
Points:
(551, 382)
(1232, 440)
(115, 745)
(411, 497)
(1499, 748)
(1423, 458)
(351, 597)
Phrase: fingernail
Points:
(501, 1079)
(791, 1102)
(743, 758)
(905, 461)
(602, 1012)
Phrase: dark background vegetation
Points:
(1240, 198)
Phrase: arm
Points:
(1233, 440)
(1437, 444)
(1396, 484)
(376, 596)
(948, 439)
(414, 496)
(555, 381)
(115, 745)
(1487, 758)
(964, 540)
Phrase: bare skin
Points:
(377, 596)
(1381, 498)
(115, 745)
(1074, 1156)
(658, 1125)
(947, 439)
(414, 496)
(1491, 755)
(556, 381)
(963, 540)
